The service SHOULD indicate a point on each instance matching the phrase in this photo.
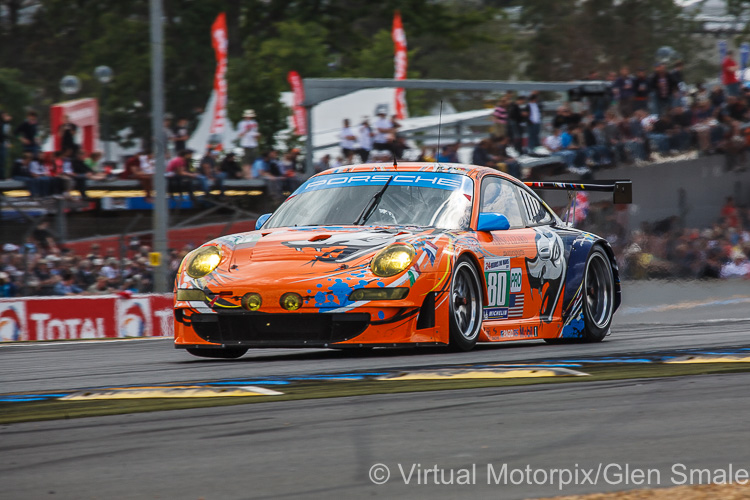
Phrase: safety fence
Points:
(69, 318)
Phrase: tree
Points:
(570, 38)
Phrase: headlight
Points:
(291, 301)
(203, 261)
(392, 260)
(251, 301)
(190, 295)
(378, 294)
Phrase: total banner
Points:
(220, 42)
(72, 318)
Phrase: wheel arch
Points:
(580, 250)
(474, 260)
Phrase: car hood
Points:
(332, 246)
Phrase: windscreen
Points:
(425, 199)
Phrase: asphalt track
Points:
(320, 448)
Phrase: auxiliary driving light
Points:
(392, 260)
(291, 301)
(203, 261)
(251, 301)
(378, 294)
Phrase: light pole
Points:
(104, 74)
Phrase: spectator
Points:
(664, 89)
(729, 78)
(625, 87)
(33, 174)
(534, 121)
(28, 132)
(347, 139)
(249, 135)
(180, 178)
(737, 267)
(67, 133)
(642, 90)
(43, 238)
(729, 213)
(230, 167)
(5, 133)
(481, 154)
(384, 132)
(181, 135)
(170, 138)
(679, 80)
(209, 175)
(365, 136)
(518, 115)
(66, 286)
(500, 117)
(323, 164)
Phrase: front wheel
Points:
(598, 296)
(219, 353)
(465, 306)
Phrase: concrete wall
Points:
(692, 189)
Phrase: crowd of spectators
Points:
(667, 249)
(55, 174)
(41, 267)
(639, 118)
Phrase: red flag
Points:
(300, 113)
(219, 41)
(399, 63)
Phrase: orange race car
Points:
(409, 254)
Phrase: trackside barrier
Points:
(79, 317)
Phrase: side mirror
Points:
(261, 220)
(490, 221)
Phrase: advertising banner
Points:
(78, 317)
(400, 64)
(220, 42)
(300, 113)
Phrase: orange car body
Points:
(523, 296)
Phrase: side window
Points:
(499, 196)
(536, 213)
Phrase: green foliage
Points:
(14, 95)
(571, 38)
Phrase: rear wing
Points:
(622, 191)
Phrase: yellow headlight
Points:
(251, 301)
(392, 260)
(291, 301)
(203, 261)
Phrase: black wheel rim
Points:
(599, 290)
(465, 297)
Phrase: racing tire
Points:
(598, 296)
(222, 353)
(465, 306)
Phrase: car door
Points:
(522, 293)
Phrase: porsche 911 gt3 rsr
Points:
(410, 254)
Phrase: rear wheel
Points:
(220, 353)
(598, 296)
(465, 306)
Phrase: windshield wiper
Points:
(371, 205)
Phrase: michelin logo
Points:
(496, 313)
